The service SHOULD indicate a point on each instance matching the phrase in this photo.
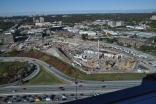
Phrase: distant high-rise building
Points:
(153, 17)
(41, 19)
(34, 19)
(37, 21)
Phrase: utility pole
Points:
(98, 46)
(96, 87)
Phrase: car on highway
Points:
(57, 99)
(81, 94)
(10, 101)
(23, 88)
(80, 85)
(14, 90)
(96, 94)
(80, 81)
(103, 86)
(71, 94)
(25, 100)
(75, 99)
(60, 87)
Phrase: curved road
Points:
(58, 73)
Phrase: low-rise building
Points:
(133, 42)
(90, 33)
(119, 23)
(112, 23)
(8, 38)
(153, 17)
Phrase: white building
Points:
(25, 26)
(39, 30)
(43, 24)
(131, 27)
(37, 21)
(41, 19)
(153, 17)
(90, 33)
(111, 32)
(120, 23)
(99, 22)
(112, 23)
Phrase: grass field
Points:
(44, 58)
(44, 77)
(114, 76)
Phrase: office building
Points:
(33, 19)
(112, 23)
(37, 21)
(153, 17)
(119, 23)
(41, 19)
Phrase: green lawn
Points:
(44, 58)
(44, 77)
(114, 76)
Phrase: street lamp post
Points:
(76, 87)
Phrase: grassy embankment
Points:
(44, 77)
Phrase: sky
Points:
(43, 6)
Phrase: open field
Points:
(44, 77)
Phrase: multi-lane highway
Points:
(87, 88)
(71, 91)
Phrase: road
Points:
(82, 92)
(55, 71)
(88, 87)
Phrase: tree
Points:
(14, 51)
(31, 50)
(135, 36)
(84, 36)
(121, 44)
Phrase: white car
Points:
(14, 91)
(9, 101)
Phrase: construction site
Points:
(85, 55)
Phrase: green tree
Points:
(135, 36)
(31, 50)
(14, 51)
(84, 36)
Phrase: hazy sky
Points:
(16, 6)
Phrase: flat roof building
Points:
(8, 38)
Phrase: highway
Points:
(87, 88)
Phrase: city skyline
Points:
(18, 7)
